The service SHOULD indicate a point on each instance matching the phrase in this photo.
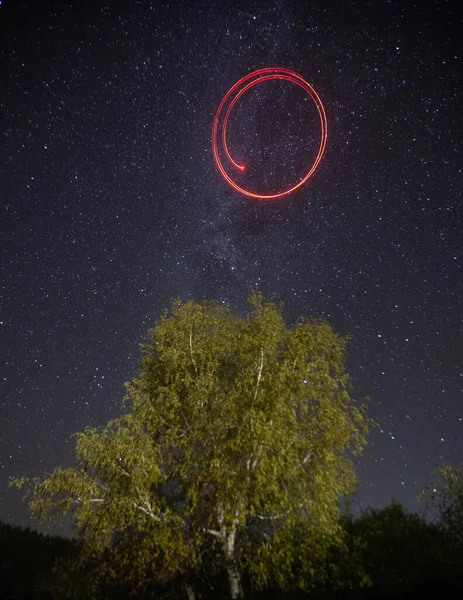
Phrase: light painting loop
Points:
(233, 95)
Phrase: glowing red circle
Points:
(258, 77)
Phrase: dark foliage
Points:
(26, 557)
(397, 547)
(401, 554)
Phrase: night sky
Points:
(112, 206)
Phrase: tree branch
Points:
(259, 372)
(269, 517)
(148, 512)
(308, 455)
(213, 532)
(123, 471)
(191, 349)
(221, 521)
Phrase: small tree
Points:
(446, 499)
(236, 434)
(395, 546)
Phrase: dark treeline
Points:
(27, 558)
(389, 553)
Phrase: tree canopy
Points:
(445, 499)
(397, 546)
(238, 431)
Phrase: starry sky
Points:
(112, 206)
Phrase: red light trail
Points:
(233, 94)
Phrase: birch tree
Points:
(238, 430)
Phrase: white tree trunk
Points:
(234, 579)
(190, 592)
(234, 574)
(228, 544)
